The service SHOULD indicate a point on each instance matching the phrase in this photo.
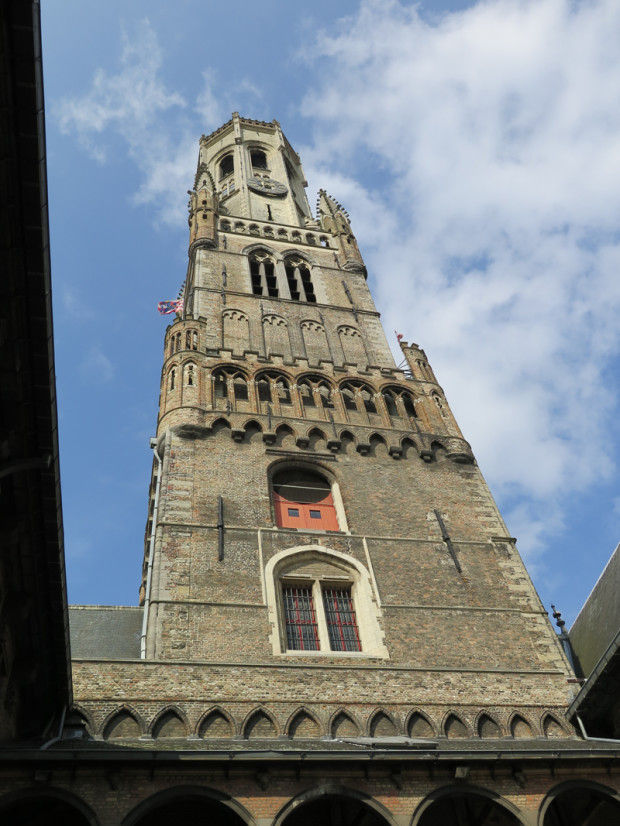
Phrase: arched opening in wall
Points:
(263, 274)
(457, 808)
(582, 805)
(299, 279)
(334, 810)
(303, 499)
(315, 394)
(321, 600)
(229, 387)
(274, 388)
(227, 166)
(399, 403)
(259, 159)
(184, 806)
(190, 374)
(43, 809)
(359, 402)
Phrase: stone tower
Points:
(321, 540)
(335, 625)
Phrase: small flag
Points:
(167, 307)
(398, 336)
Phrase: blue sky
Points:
(475, 147)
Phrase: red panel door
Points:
(318, 516)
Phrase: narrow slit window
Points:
(300, 619)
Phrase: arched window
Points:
(399, 402)
(303, 499)
(348, 397)
(368, 401)
(273, 389)
(172, 379)
(299, 279)
(227, 166)
(315, 391)
(230, 384)
(259, 159)
(358, 398)
(262, 272)
(190, 375)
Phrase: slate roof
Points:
(105, 631)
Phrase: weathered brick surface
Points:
(456, 647)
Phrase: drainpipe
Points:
(594, 739)
(149, 570)
(61, 726)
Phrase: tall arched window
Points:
(399, 402)
(303, 499)
(358, 398)
(299, 279)
(259, 159)
(315, 392)
(262, 272)
(274, 389)
(227, 166)
(229, 384)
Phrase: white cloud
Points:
(155, 124)
(152, 122)
(96, 367)
(494, 137)
(74, 304)
(128, 102)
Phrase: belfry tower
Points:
(335, 625)
(318, 510)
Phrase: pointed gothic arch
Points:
(260, 724)
(551, 726)
(487, 727)
(419, 725)
(170, 722)
(123, 722)
(520, 727)
(382, 724)
(454, 726)
(344, 724)
(303, 725)
(216, 723)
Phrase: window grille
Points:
(300, 619)
(341, 621)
